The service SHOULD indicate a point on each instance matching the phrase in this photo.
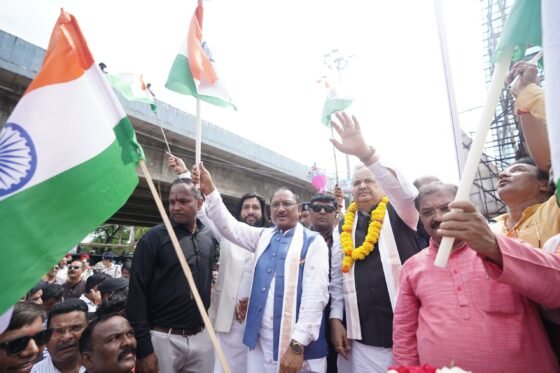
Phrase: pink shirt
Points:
(474, 314)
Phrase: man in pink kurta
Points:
(479, 312)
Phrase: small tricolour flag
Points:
(131, 87)
(334, 102)
(194, 70)
(68, 157)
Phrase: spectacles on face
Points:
(328, 208)
(71, 267)
(428, 213)
(285, 204)
(74, 329)
(15, 346)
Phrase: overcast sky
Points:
(270, 54)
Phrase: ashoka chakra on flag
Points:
(18, 158)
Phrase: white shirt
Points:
(46, 366)
(114, 271)
(92, 307)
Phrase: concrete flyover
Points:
(237, 164)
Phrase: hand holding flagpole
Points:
(496, 85)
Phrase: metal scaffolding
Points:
(505, 142)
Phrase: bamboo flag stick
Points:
(496, 85)
(185, 267)
(334, 155)
(198, 138)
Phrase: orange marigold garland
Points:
(352, 254)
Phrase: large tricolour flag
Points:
(68, 157)
(194, 70)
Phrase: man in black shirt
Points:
(161, 309)
(323, 209)
(382, 218)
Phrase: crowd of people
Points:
(321, 289)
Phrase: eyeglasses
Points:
(74, 267)
(17, 345)
(74, 329)
(285, 204)
(328, 208)
(428, 213)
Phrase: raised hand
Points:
(201, 176)
(351, 139)
(177, 164)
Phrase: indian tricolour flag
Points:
(132, 87)
(194, 70)
(334, 102)
(68, 158)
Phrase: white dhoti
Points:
(364, 358)
(234, 350)
(261, 358)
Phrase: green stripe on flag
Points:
(40, 224)
(180, 78)
(522, 29)
(332, 106)
(126, 137)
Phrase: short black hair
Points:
(432, 188)
(189, 183)
(262, 202)
(94, 280)
(127, 265)
(325, 198)
(25, 314)
(52, 291)
(38, 286)
(69, 305)
(115, 304)
(286, 189)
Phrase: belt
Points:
(175, 331)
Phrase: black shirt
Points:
(159, 293)
(374, 304)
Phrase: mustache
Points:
(125, 352)
(65, 346)
(435, 224)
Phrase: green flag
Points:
(522, 29)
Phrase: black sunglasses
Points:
(15, 346)
(318, 208)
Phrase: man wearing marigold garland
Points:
(376, 238)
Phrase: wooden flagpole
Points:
(185, 267)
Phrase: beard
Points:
(252, 220)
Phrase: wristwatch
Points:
(296, 347)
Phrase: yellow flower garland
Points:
(352, 254)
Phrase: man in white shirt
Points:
(92, 296)
(108, 267)
(67, 320)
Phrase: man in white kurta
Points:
(365, 342)
(298, 292)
